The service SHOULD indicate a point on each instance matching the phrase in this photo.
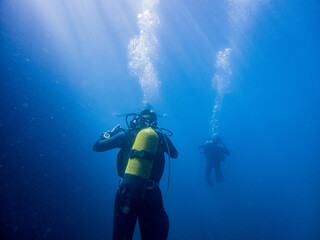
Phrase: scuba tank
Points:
(142, 153)
(141, 156)
(139, 165)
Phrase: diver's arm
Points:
(105, 144)
(173, 150)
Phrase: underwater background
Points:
(248, 70)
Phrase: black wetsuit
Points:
(148, 207)
(215, 152)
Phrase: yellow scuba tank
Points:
(139, 166)
(142, 153)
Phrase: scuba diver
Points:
(140, 165)
(215, 152)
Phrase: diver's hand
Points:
(116, 129)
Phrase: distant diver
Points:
(215, 152)
(140, 165)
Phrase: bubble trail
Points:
(142, 51)
(221, 83)
(240, 14)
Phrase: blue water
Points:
(249, 70)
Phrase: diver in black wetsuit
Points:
(139, 197)
(215, 152)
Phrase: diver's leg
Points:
(219, 176)
(208, 172)
(153, 220)
(123, 224)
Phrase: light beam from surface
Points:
(85, 37)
